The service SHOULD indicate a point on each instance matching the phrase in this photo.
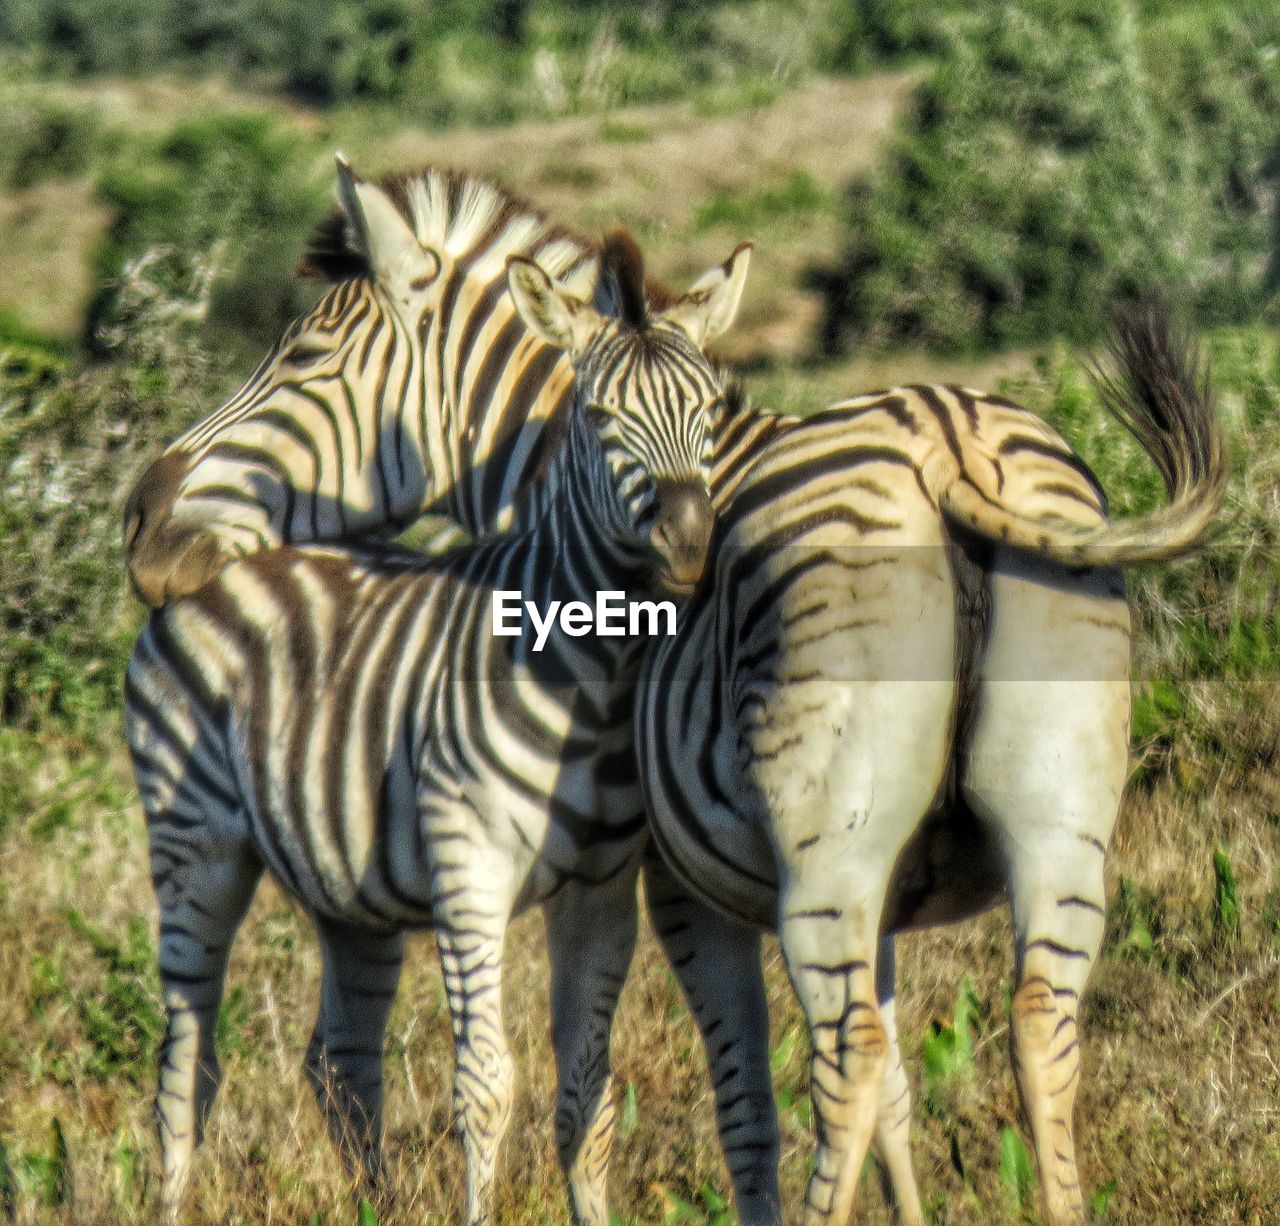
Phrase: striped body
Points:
(1010, 457)
(352, 705)
(350, 721)
(880, 715)
(821, 520)
(832, 745)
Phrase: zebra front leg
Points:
(202, 904)
(893, 1121)
(1058, 924)
(718, 963)
(470, 929)
(591, 935)
(344, 1058)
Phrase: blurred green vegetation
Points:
(1061, 156)
(235, 181)
(71, 442)
(50, 140)
(1058, 157)
(486, 61)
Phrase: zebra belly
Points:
(377, 857)
(578, 823)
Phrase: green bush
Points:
(1065, 155)
(83, 36)
(324, 50)
(41, 139)
(70, 447)
(900, 29)
(234, 180)
(480, 61)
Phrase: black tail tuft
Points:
(1158, 391)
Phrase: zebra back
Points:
(412, 385)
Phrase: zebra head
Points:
(310, 448)
(645, 390)
(412, 386)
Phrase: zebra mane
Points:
(623, 290)
(736, 400)
(463, 214)
(459, 214)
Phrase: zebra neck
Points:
(584, 544)
(490, 394)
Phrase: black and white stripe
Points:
(879, 715)
(412, 385)
(346, 719)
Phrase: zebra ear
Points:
(711, 302)
(396, 259)
(551, 313)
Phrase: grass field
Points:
(1179, 1115)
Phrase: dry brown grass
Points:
(49, 231)
(652, 168)
(1179, 1115)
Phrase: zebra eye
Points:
(598, 417)
(302, 353)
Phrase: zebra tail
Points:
(1157, 392)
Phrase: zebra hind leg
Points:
(1058, 925)
(202, 904)
(344, 1058)
(591, 935)
(1045, 768)
(893, 1121)
(829, 928)
(718, 964)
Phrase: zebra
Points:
(826, 754)
(416, 345)
(413, 386)
(346, 719)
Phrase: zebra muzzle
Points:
(167, 559)
(681, 532)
